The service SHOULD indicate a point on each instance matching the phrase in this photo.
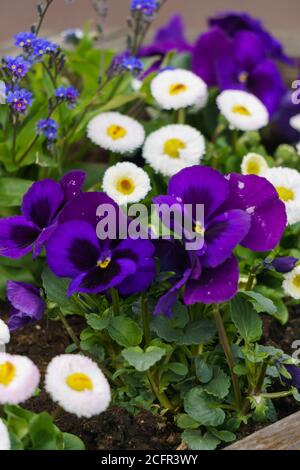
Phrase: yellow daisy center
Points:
(253, 167)
(177, 88)
(7, 373)
(172, 147)
(79, 382)
(125, 186)
(241, 109)
(103, 264)
(199, 228)
(116, 132)
(296, 281)
(285, 194)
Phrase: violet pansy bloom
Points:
(40, 208)
(95, 265)
(284, 264)
(27, 306)
(238, 209)
(238, 63)
(234, 22)
(167, 39)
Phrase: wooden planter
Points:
(282, 435)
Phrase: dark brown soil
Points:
(117, 429)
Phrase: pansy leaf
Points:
(219, 385)
(125, 331)
(72, 442)
(184, 421)
(12, 191)
(203, 371)
(260, 302)
(246, 319)
(225, 436)
(203, 408)
(143, 360)
(201, 331)
(197, 441)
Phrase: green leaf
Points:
(170, 329)
(260, 302)
(12, 191)
(143, 360)
(125, 331)
(98, 322)
(196, 441)
(225, 436)
(203, 408)
(56, 290)
(203, 371)
(43, 433)
(246, 319)
(201, 331)
(185, 421)
(219, 385)
(72, 442)
(178, 368)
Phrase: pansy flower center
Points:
(7, 373)
(296, 281)
(177, 88)
(125, 185)
(116, 132)
(199, 229)
(285, 194)
(241, 109)
(243, 77)
(79, 382)
(104, 263)
(172, 147)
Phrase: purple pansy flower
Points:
(68, 94)
(19, 99)
(294, 372)
(95, 265)
(27, 306)
(238, 63)
(24, 40)
(238, 209)
(40, 208)
(234, 22)
(288, 108)
(169, 38)
(17, 66)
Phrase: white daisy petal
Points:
(78, 385)
(19, 378)
(179, 88)
(116, 132)
(4, 437)
(126, 183)
(291, 283)
(243, 110)
(254, 164)
(174, 147)
(287, 184)
(4, 334)
(295, 122)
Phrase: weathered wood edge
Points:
(282, 435)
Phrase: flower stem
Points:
(115, 301)
(229, 357)
(161, 396)
(146, 320)
(69, 330)
(287, 393)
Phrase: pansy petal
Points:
(216, 285)
(26, 299)
(223, 234)
(141, 280)
(260, 200)
(249, 50)
(72, 249)
(72, 183)
(134, 249)
(98, 280)
(42, 239)
(200, 185)
(42, 202)
(266, 83)
(17, 236)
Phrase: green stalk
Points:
(115, 301)
(229, 357)
(146, 320)
(161, 396)
(287, 393)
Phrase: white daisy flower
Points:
(295, 122)
(136, 84)
(254, 164)
(4, 437)
(126, 183)
(78, 385)
(179, 88)
(19, 378)
(116, 132)
(291, 283)
(4, 335)
(287, 184)
(243, 110)
(174, 147)
(2, 93)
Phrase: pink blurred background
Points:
(281, 17)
